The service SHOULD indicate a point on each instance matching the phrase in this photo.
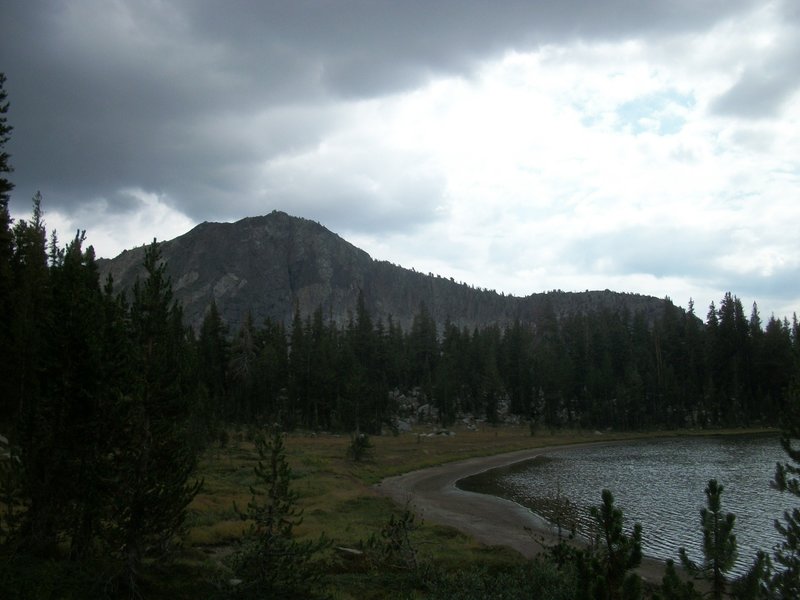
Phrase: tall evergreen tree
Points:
(37, 413)
(490, 386)
(396, 356)
(242, 372)
(424, 349)
(213, 356)
(786, 581)
(369, 386)
(299, 368)
(5, 135)
(778, 365)
(80, 411)
(321, 393)
(448, 381)
(154, 457)
(515, 365)
(273, 361)
(6, 277)
(756, 408)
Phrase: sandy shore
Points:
(493, 521)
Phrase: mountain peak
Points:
(269, 265)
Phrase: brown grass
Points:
(337, 494)
(338, 497)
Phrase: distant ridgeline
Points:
(295, 324)
(269, 266)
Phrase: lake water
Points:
(660, 484)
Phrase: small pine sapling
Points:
(609, 564)
(395, 549)
(360, 447)
(719, 543)
(271, 562)
(675, 588)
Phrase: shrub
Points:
(360, 447)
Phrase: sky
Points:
(521, 146)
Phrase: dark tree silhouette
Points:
(786, 580)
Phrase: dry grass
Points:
(336, 493)
(338, 497)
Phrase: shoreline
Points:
(488, 519)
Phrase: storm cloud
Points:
(505, 143)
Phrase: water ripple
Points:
(660, 484)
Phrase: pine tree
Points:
(786, 581)
(31, 303)
(320, 374)
(12, 500)
(37, 412)
(74, 374)
(778, 365)
(63, 390)
(271, 563)
(614, 554)
(154, 457)
(273, 365)
(5, 135)
(367, 386)
(675, 588)
(299, 367)
(448, 383)
(7, 407)
(719, 543)
(424, 350)
(213, 356)
(242, 367)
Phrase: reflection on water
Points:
(660, 484)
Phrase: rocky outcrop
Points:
(271, 264)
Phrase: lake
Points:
(660, 484)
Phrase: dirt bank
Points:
(488, 519)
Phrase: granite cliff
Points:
(268, 265)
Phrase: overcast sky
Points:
(524, 146)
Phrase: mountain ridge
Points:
(272, 264)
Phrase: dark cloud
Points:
(769, 78)
(777, 289)
(165, 96)
(225, 110)
(358, 193)
(363, 48)
(658, 251)
(764, 86)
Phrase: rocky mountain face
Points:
(269, 265)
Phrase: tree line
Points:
(601, 369)
(100, 405)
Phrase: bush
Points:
(538, 579)
(394, 549)
(360, 447)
